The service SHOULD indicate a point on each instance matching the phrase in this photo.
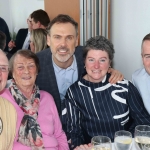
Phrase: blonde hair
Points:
(39, 39)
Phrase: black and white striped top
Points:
(102, 109)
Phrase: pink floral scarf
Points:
(29, 132)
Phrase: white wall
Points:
(130, 22)
(5, 12)
(15, 12)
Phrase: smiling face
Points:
(62, 41)
(24, 72)
(3, 70)
(146, 55)
(96, 63)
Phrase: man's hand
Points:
(84, 147)
(115, 76)
(11, 44)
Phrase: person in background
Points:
(62, 64)
(2, 40)
(37, 19)
(96, 107)
(22, 39)
(38, 123)
(3, 44)
(40, 19)
(38, 40)
(4, 28)
(8, 116)
(141, 77)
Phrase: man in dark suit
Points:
(22, 39)
(62, 64)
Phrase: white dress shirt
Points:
(141, 79)
(27, 41)
(65, 77)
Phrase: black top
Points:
(102, 109)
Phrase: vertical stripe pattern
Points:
(102, 109)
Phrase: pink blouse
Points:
(54, 137)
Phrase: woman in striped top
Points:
(96, 107)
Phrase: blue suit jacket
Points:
(46, 79)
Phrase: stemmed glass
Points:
(123, 140)
(142, 136)
(146, 147)
(101, 143)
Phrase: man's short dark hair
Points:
(61, 18)
(146, 37)
(2, 40)
(41, 16)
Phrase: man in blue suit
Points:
(62, 64)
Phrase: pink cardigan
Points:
(54, 137)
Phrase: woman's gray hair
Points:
(27, 54)
(99, 43)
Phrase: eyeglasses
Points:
(4, 68)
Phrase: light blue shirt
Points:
(141, 79)
(65, 77)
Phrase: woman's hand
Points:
(115, 76)
(84, 147)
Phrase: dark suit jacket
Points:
(20, 38)
(46, 79)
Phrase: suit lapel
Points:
(52, 81)
(79, 59)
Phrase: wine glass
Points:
(123, 140)
(146, 147)
(101, 143)
(142, 136)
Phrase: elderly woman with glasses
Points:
(8, 114)
(96, 107)
(38, 123)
